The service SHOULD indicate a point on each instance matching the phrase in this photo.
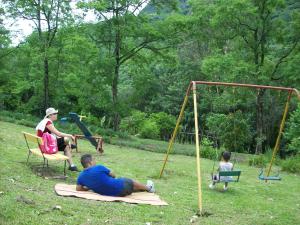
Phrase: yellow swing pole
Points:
(171, 142)
(280, 132)
(197, 149)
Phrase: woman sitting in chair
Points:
(63, 140)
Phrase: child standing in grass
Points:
(224, 165)
(102, 181)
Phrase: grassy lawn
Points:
(161, 147)
(27, 198)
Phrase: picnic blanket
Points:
(136, 197)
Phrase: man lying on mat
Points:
(102, 181)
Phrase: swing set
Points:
(193, 87)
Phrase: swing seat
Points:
(228, 176)
(262, 177)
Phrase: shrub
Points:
(165, 123)
(133, 123)
(19, 118)
(149, 129)
(292, 133)
(233, 130)
(92, 120)
(207, 151)
(258, 161)
(210, 153)
(27, 123)
(291, 164)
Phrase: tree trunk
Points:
(116, 116)
(46, 83)
(260, 138)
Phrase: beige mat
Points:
(137, 197)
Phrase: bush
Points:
(27, 123)
(292, 133)
(291, 164)
(263, 159)
(207, 151)
(19, 118)
(133, 123)
(166, 124)
(233, 130)
(210, 153)
(92, 120)
(149, 129)
(258, 161)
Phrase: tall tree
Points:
(261, 33)
(47, 16)
(122, 33)
(4, 36)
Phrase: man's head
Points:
(87, 161)
(226, 156)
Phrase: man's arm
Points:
(81, 188)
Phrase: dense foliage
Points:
(129, 71)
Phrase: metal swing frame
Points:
(193, 87)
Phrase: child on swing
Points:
(224, 165)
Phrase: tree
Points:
(4, 51)
(4, 37)
(122, 34)
(232, 130)
(261, 33)
(47, 16)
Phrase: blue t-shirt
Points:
(97, 179)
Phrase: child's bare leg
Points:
(139, 187)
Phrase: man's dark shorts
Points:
(61, 144)
(128, 187)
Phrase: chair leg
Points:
(43, 167)
(28, 157)
(65, 167)
(76, 144)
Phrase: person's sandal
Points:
(74, 169)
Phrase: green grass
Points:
(248, 202)
(162, 146)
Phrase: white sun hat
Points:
(50, 111)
